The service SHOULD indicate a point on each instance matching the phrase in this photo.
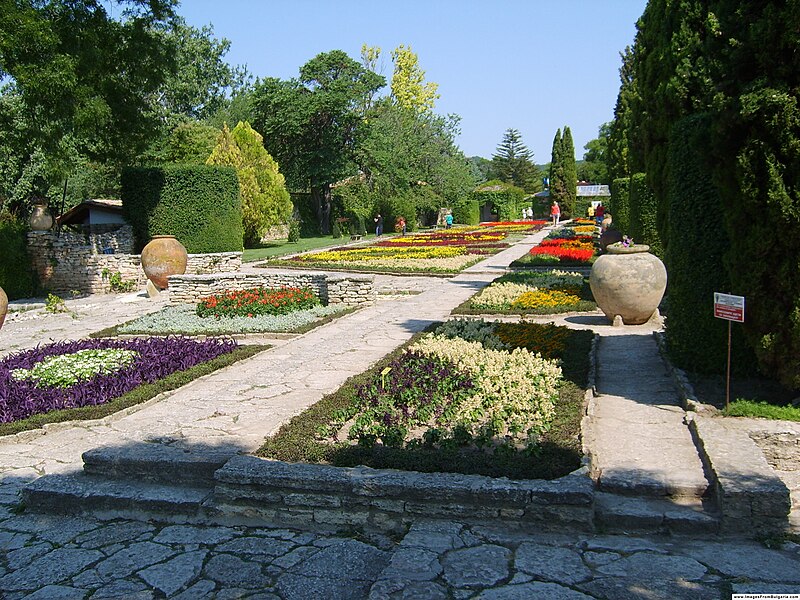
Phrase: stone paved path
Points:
(44, 557)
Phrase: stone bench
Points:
(355, 238)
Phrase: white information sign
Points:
(729, 307)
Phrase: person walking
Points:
(378, 225)
(555, 212)
(448, 221)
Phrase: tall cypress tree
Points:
(570, 172)
(557, 181)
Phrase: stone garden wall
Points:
(348, 289)
(85, 262)
(320, 496)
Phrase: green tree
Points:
(265, 201)
(594, 167)
(83, 77)
(558, 185)
(310, 124)
(409, 88)
(512, 162)
(202, 82)
(570, 172)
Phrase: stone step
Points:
(625, 514)
(156, 463)
(80, 493)
(665, 485)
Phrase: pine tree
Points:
(570, 172)
(512, 162)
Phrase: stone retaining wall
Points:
(320, 496)
(349, 289)
(67, 261)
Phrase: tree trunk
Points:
(321, 195)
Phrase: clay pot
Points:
(3, 306)
(41, 219)
(163, 256)
(628, 282)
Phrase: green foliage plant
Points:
(265, 201)
(505, 199)
(198, 204)
(467, 212)
(16, 275)
(619, 204)
(643, 209)
(116, 283)
(55, 304)
(695, 340)
(294, 231)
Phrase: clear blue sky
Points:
(534, 65)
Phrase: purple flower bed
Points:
(158, 357)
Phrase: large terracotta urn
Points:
(628, 281)
(163, 256)
(41, 219)
(3, 306)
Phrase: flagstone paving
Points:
(45, 556)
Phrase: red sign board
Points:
(728, 307)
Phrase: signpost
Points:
(730, 308)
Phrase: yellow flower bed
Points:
(545, 299)
(584, 229)
(374, 253)
(452, 263)
(514, 391)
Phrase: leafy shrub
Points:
(619, 204)
(695, 339)
(294, 231)
(642, 206)
(507, 200)
(257, 301)
(467, 211)
(16, 275)
(197, 204)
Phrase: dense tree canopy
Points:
(309, 124)
(734, 66)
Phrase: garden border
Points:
(316, 496)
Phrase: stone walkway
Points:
(44, 556)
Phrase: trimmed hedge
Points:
(696, 340)
(467, 212)
(508, 200)
(198, 204)
(643, 209)
(619, 204)
(16, 274)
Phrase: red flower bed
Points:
(257, 301)
(533, 223)
(565, 254)
(578, 239)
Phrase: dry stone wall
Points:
(347, 289)
(85, 262)
(321, 496)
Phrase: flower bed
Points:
(471, 397)
(527, 292)
(443, 251)
(67, 375)
(257, 301)
(564, 246)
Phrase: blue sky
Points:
(534, 65)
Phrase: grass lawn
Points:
(283, 247)
(753, 397)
